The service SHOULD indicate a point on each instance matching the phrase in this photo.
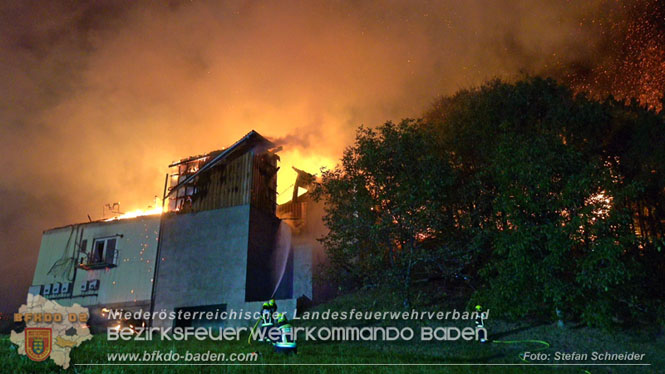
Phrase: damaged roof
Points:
(251, 140)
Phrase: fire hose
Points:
(249, 338)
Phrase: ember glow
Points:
(137, 213)
(632, 63)
(601, 203)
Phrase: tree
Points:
(547, 201)
(552, 196)
(385, 212)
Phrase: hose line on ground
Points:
(545, 344)
(249, 338)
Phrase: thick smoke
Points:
(98, 97)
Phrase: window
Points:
(103, 251)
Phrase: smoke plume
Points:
(98, 97)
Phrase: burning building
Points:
(217, 245)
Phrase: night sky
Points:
(98, 97)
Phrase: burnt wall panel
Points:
(264, 182)
(224, 185)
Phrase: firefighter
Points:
(480, 321)
(268, 311)
(286, 343)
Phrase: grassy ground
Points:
(320, 356)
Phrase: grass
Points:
(582, 340)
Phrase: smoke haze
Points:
(99, 97)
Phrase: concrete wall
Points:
(128, 284)
(203, 260)
(209, 258)
(309, 254)
(302, 271)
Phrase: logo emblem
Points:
(37, 343)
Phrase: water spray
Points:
(281, 254)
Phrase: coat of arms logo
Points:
(38, 343)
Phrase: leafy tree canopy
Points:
(544, 200)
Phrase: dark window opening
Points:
(102, 254)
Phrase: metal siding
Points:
(135, 265)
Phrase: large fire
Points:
(285, 181)
(286, 176)
(137, 213)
